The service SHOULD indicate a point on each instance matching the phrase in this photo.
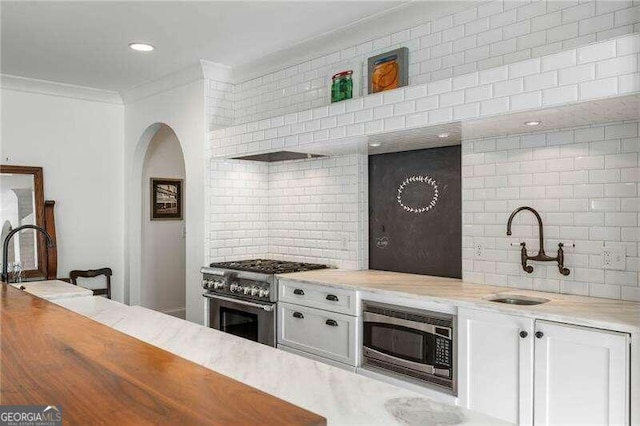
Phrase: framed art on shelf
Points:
(166, 199)
(345, 82)
(388, 70)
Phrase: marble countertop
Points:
(588, 311)
(340, 396)
(53, 289)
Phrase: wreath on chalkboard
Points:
(418, 179)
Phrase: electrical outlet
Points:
(478, 250)
(613, 258)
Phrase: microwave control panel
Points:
(443, 352)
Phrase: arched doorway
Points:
(162, 242)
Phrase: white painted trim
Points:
(163, 84)
(216, 71)
(52, 88)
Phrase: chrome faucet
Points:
(5, 247)
(541, 256)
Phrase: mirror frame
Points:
(38, 186)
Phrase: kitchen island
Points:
(339, 396)
(97, 375)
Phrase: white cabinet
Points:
(581, 375)
(318, 296)
(319, 322)
(327, 334)
(495, 369)
(541, 372)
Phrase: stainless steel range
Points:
(240, 296)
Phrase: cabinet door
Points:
(495, 364)
(581, 375)
(327, 334)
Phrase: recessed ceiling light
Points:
(375, 143)
(141, 47)
(443, 135)
(533, 123)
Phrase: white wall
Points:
(318, 211)
(237, 217)
(78, 143)
(163, 244)
(304, 210)
(486, 36)
(182, 109)
(584, 182)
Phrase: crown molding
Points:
(52, 88)
(216, 71)
(168, 82)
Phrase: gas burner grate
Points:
(268, 266)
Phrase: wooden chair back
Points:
(92, 273)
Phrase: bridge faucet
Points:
(5, 247)
(541, 256)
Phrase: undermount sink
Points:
(515, 299)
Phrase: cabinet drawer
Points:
(327, 334)
(318, 296)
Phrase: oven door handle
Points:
(267, 308)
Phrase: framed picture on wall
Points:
(166, 199)
(388, 70)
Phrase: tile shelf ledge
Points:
(594, 72)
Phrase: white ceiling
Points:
(85, 43)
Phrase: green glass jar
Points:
(342, 86)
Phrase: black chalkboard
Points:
(415, 212)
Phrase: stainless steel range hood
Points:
(270, 157)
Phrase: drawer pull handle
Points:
(331, 322)
(539, 334)
(332, 297)
(298, 315)
(298, 292)
(524, 334)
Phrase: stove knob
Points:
(205, 284)
(246, 290)
(218, 284)
(234, 287)
(255, 291)
(264, 292)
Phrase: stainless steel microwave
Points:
(409, 342)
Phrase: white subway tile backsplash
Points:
(597, 52)
(563, 175)
(541, 81)
(598, 88)
(558, 60)
(526, 100)
(617, 66)
(562, 181)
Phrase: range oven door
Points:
(250, 320)
(420, 350)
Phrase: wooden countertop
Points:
(52, 356)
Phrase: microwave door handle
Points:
(267, 308)
(384, 319)
(372, 353)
